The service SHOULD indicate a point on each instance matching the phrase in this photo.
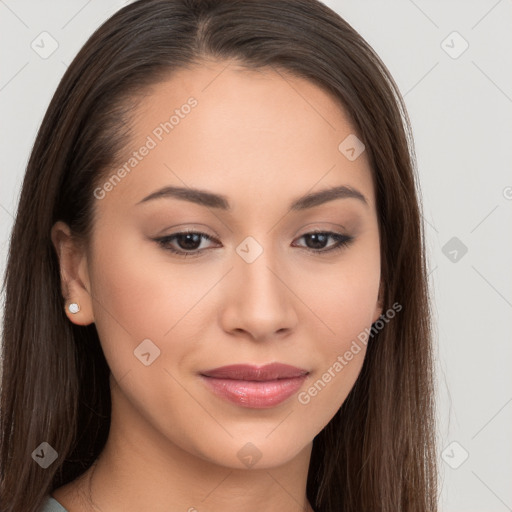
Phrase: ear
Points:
(380, 303)
(73, 273)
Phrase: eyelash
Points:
(342, 241)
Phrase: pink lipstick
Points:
(257, 387)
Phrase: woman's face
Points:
(256, 286)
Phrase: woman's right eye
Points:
(189, 242)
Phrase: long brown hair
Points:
(378, 452)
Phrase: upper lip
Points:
(271, 371)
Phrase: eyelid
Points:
(323, 227)
(178, 229)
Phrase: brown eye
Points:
(188, 242)
(316, 241)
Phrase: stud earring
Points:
(74, 307)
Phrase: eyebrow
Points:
(211, 200)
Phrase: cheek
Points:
(138, 288)
(344, 299)
(140, 294)
(343, 295)
(338, 349)
(130, 301)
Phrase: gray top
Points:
(52, 505)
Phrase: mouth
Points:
(256, 387)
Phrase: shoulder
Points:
(51, 505)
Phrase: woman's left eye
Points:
(189, 242)
(319, 238)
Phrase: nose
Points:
(259, 303)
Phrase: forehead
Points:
(243, 133)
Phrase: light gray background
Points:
(461, 114)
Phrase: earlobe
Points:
(77, 315)
(73, 272)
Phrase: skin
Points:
(261, 138)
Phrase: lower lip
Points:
(255, 394)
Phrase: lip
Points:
(256, 387)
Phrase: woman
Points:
(216, 292)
